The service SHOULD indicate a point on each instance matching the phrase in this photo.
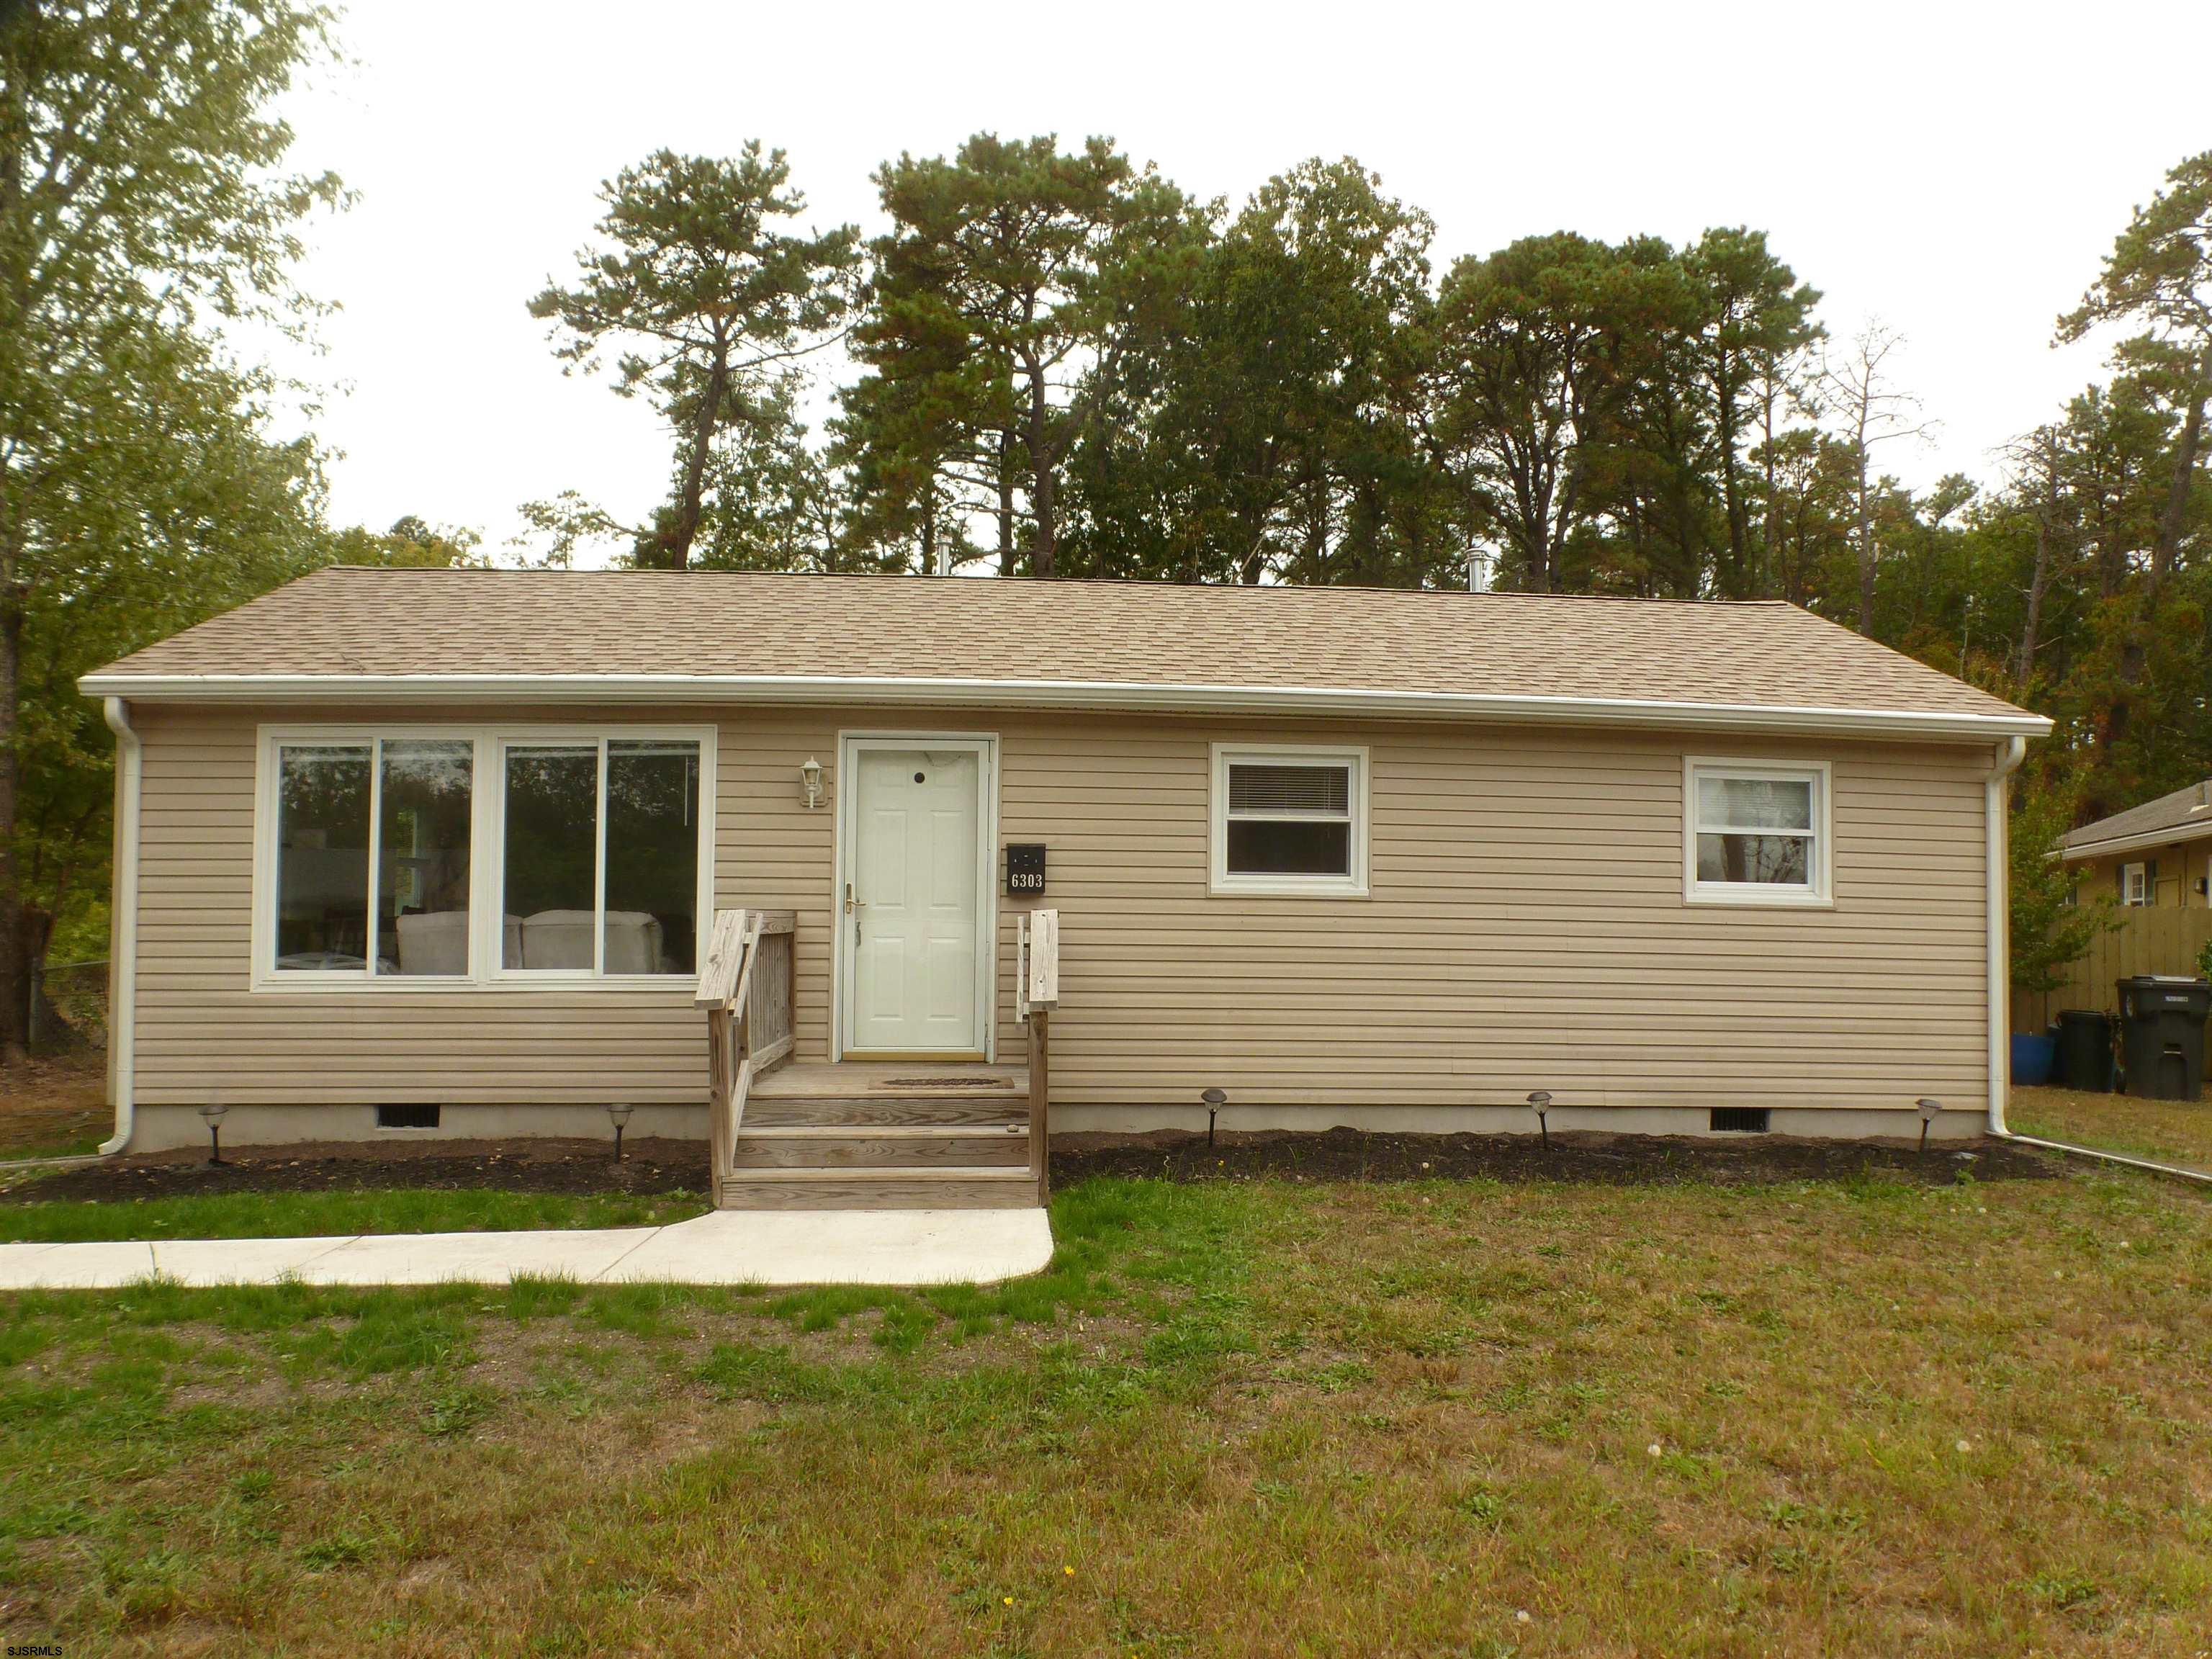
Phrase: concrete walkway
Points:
(725, 1247)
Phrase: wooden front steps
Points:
(917, 1134)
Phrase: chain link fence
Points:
(68, 1006)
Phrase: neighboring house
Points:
(438, 848)
(2159, 854)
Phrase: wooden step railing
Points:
(1036, 994)
(747, 985)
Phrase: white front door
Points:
(915, 908)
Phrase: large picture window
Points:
(602, 857)
(373, 858)
(594, 846)
(1290, 821)
(322, 857)
(1756, 833)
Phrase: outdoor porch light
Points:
(212, 1115)
(619, 1116)
(1215, 1099)
(1928, 1111)
(810, 782)
(1540, 1103)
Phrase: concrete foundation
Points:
(1841, 1123)
(161, 1128)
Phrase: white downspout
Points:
(1996, 808)
(123, 949)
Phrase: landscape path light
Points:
(212, 1115)
(620, 1114)
(1215, 1099)
(1928, 1111)
(1540, 1103)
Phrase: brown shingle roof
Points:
(1077, 639)
(2184, 815)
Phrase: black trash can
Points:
(2162, 1035)
(2084, 1056)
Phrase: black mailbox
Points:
(1025, 866)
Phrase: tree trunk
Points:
(1315, 549)
(1766, 532)
(1044, 548)
(14, 538)
(1005, 509)
(2176, 516)
(2038, 585)
(1732, 495)
(1866, 549)
(673, 546)
(15, 959)
(2135, 648)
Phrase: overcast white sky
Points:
(1957, 171)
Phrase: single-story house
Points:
(423, 853)
(2159, 854)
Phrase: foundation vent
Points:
(406, 1117)
(1740, 1120)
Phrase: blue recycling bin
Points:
(2031, 1054)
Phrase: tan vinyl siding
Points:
(1526, 928)
(2181, 866)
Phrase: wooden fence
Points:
(2147, 940)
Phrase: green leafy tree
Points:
(143, 203)
(1753, 316)
(2049, 929)
(705, 304)
(778, 502)
(1012, 284)
(2158, 279)
(1263, 430)
(1532, 359)
(1651, 456)
(924, 438)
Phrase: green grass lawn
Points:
(1238, 1420)
(2173, 1131)
(307, 1215)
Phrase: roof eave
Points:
(2167, 836)
(924, 692)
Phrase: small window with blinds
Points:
(1755, 832)
(1290, 821)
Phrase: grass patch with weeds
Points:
(1266, 1417)
(2167, 1131)
(326, 1214)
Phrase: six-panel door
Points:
(912, 930)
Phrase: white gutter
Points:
(1192, 698)
(123, 951)
(1995, 809)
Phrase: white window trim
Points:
(1219, 880)
(487, 858)
(1820, 894)
(2134, 885)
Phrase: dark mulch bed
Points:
(1603, 1159)
(669, 1166)
(515, 1166)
